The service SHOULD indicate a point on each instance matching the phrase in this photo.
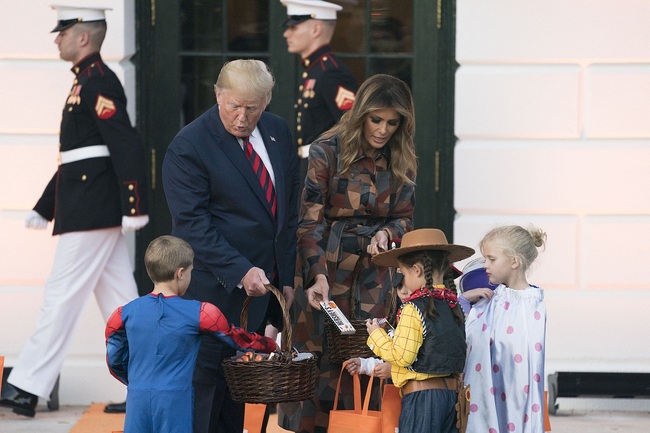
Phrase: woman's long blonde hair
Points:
(380, 92)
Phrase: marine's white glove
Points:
(35, 221)
(133, 223)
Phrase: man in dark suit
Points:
(242, 228)
(98, 193)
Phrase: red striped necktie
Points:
(262, 173)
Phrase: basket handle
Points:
(287, 338)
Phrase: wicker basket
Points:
(273, 381)
(343, 347)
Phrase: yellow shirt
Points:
(401, 350)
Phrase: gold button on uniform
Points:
(300, 142)
(131, 187)
(132, 211)
(131, 199)
(299, 128)
(304, 75)
(84, 177)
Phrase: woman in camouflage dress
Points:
(358, 195)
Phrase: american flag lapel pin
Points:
(272, 138)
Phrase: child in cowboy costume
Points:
(427, 352)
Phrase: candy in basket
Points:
(284, 376)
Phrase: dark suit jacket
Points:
(218, 207)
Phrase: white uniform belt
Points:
(87, 152)
(303, 151)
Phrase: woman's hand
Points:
(378, 243)
(382, 370)
(318, 292)
(476, 295)
(371, 325)
(352, 365)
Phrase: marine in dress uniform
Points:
(327, 86)
(97, 194)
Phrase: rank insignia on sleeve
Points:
(344, 98)
(104, 107)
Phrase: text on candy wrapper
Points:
(339, 319)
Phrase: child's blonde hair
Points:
(518, 242)
(165, 255)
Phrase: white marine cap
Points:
(303, 10)
(69, 15)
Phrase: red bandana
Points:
(437, 291)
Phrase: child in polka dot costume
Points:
(506, 333)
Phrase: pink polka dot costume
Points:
(506, 340)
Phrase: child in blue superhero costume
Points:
(152, 342)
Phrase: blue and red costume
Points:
(151, 346)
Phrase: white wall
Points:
(553, 121)
(33, 86)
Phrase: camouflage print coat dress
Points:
(340, 214)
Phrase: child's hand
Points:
(352, 365)
(371, 325)
(476, 295)
(382, 370)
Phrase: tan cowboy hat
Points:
(423, 239)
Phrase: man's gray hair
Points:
(249, 77)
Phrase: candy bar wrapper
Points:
(337, 316)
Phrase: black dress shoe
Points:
(115, 408)
(53, 402)
(22, 402)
